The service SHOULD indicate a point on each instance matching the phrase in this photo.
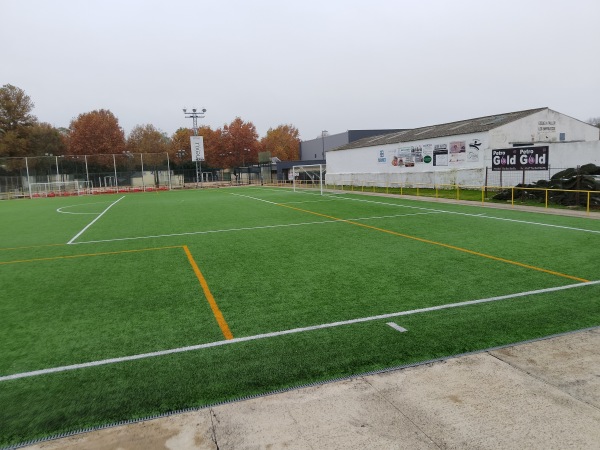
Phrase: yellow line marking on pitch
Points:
(440, 244)
(53, 258)
(209, 297)
(30, 247)
(211, 300)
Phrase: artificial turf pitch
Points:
(119, 307)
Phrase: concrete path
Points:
(541, 395)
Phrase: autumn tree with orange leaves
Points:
(180, 151)
(147, 139)
(96, 133)
(212, 145)
(282, 142)
(239, 144)
(179, 146)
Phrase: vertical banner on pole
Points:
(197, 144)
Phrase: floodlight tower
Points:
(194, 115)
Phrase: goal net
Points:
(310, 176)
(60, 188)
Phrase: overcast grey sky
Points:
(318, 65)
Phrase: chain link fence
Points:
(510, 178)
(49, 175)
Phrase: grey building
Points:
(314, 150)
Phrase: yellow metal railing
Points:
(465, 192)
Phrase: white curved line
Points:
(60, 210)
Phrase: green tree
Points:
(15, 120)
(15, 108)
(13, 143)
(44, 139)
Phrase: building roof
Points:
(469, 126)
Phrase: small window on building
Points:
(315, 156)
(562, 136)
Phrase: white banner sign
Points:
(197, 144)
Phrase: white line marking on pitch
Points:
(60, 210)
(256, 198)
(191, 233)
(263, 227)
(76, 213)
(309, 201)
(94, 221)
(482, 215)
(397, 327)
(291, 331)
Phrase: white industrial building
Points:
(467, 152)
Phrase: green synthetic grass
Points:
(273, 260)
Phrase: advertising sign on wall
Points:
(404, 156)
(457, 153)
(440, 155)
(427, 153)
(520, 158)
(473, 151)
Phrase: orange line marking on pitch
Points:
(53, 258)
(440, 244)
(211, 300)
(209, 297)
(30, 247)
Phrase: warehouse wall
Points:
(544, 126)
(438, 154)
(573, 154)
(463, 158)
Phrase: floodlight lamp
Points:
(194, 110)
(185, 110)
(203, 110)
